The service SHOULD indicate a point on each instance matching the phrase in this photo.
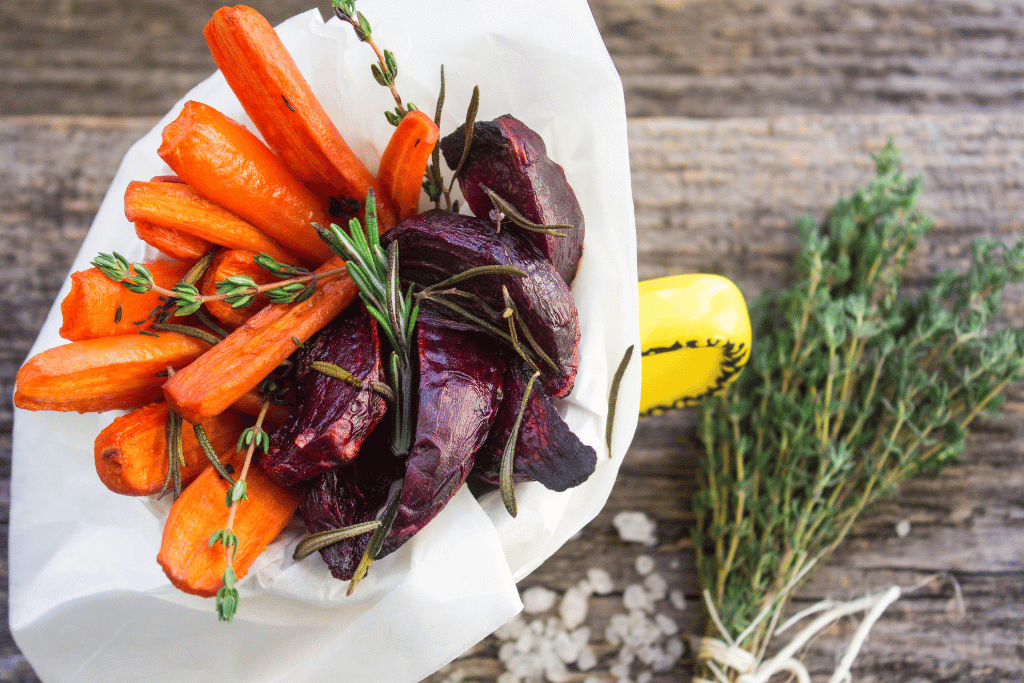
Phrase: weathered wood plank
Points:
(700, 58)
(731, 190)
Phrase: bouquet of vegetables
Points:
(231, 194)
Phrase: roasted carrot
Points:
(178, 206)
(97, 306)
(108, 373)
(227, 264)
(131, 452)
(172, 242)
(284, 109)
(405, 161)
(240, 361)
(187, 557)
(231, 167)
(251, 403)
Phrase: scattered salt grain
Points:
(678, 599)
(635, 527)
(538, 599)
(656, 586)
(573, 608)
(600, 581)
(636, 598)
(587, 659)
(903, 528)
(644, 565)
(667, 624)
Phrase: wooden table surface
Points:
(743, 116)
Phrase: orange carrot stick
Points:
(97, 306)
(131, 452)
(227, 264)
(405, 161)
(251, 403)
(108, 373)
(172, 242)
(284, 109)
(231, 167)
(178, 206)
(238, 363)
(186, 556)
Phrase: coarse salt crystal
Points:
(636, 598)
(587, 659)
(538, 599)
(600, 580)
(678, 599)
(903, 528)
(644, 565)
(573, 608)
(635, 527)
(667, 624)
(656, 586)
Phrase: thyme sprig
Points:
(375, 272)
(237, 290)
(251, 438)
(855, 385)
(385, 70)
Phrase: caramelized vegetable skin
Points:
(108, 373)
(459, 394)
(334, 417)
(131, 452)
(437, 244)
(546, 450)
(511, 160)
(97, 306)
(347, 495)
(188, 559)
(231, 167)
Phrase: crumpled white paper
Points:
(88, 601)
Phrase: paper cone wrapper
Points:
(88, 602)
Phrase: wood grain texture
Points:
(730, 189)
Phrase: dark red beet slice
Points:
(350, 495)
(546, 449)
(334, 417)
(438, 244)
(460, 390)
(510, 159)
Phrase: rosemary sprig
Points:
(375, 272)
(854, 386)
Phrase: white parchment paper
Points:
(88, 601)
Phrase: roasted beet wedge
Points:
(350, 495)
(460, 391)
(546, 449)
(438, 244)
(334, 417)
(511, 160)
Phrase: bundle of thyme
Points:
(856, 383)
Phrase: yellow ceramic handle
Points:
(694, 338)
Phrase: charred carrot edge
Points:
(178, 206)
(238, 363)
(172, 242)
(231, 167)
(284, 109)
(108, 373)
(224, 265)
(405, 161)
(131, 452)
(186, 556)
(97, 306)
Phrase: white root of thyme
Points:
(720, 655)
